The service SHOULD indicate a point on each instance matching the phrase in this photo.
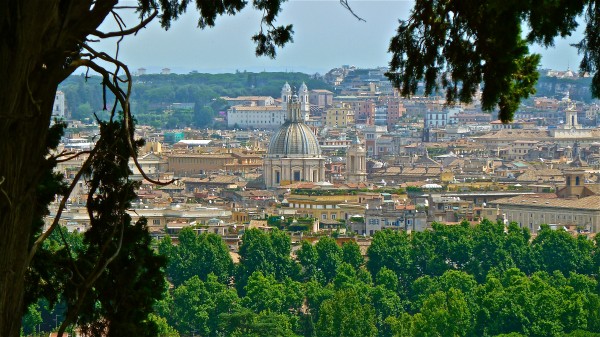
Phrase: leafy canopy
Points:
(460, 44)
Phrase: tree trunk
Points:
(17, 202)
(25, 109)
(30, 70)
(38, 42)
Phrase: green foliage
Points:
(451, 281)
(264, 293)
(559, 250)
(345, 315)
(307, 257)
(244, 322)
(391, 249)
(268, 253)
(460, 44)
(351, 254)
(329, 257)
(197, 306)
(163, 328)
(196, 255)
(443, 314)
(31, 319)
(154, 94)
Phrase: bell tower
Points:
(286, 96)
(356, 161)
(303, 97)
(574, 184)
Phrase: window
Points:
(296, 175)
(277, 177)
(332, 216)
(156, 221)
(324, 216)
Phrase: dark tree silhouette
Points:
(460, 44)
(41, 44)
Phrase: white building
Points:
(261, 114)
(261, 117)
(59, 108)
(439, 119)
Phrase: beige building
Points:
(339, 116)
(250, 100)
(190, 164)
(506, 138)
(201, 163)
(325, 207)
(321, 98)
(575, 204)
(533, 210)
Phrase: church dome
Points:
(294, 139)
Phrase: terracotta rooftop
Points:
(591, 202)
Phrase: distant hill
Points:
(578, 88)
(152, 93)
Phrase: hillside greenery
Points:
(154, 95)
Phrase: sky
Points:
(325, 36)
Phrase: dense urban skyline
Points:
(326, 36)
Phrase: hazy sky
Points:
(325, 36)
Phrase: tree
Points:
(197, 305)
(268, 253)
(265, 293)
(203, 116)
(559, 250)
(197, 255)
(488, 249)
(351, 254)
(307, 257)
(461, 44)
(443, 314)
(453, 244)
(329, 257)
(32, 318)
(345, 315)
(391, 249)
(42, 43)
(245, 323)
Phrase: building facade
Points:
(59, 110)
(339, 116)
(294, 153)
(356, 162)
(260, 117)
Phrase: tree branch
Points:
(71, 155)
(62, 205)
(93, 276)
(123, 98)
(4, 192)
(346, 5)
(125, 32)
